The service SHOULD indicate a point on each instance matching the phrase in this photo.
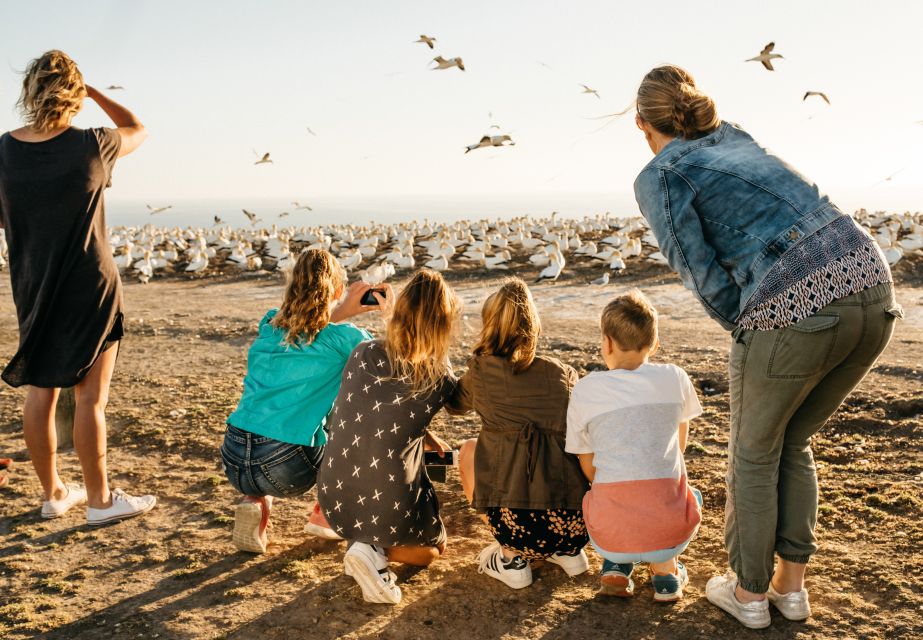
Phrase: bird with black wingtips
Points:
(820, 94)
(427, 40)
(766, 56)
(442, 63)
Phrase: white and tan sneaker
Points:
(573, 565)
(123, 507)
(793, 605)
(76, 495)
(720, 592)
(368, 566)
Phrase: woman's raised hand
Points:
(352, 303)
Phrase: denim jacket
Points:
(724, 211)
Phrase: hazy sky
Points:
(214, 80)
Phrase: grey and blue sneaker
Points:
(669, 588)
(615, 579)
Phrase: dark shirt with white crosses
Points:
(372, 485)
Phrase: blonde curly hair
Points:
(52, 91)
(306, 305)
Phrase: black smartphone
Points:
(433, 459)
(369, 300)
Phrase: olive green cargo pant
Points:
(784, 385)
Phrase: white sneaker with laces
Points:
(76, 495)
(793, 605)
(720, 592)
(514, 573)
(368, 566)
(572, 565)
(123, 506)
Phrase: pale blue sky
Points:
(213, 80)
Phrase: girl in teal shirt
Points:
(275, 438)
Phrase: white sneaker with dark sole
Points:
(720, 592)
(793, 605)
(514, 573)
(369, 568)
(123, 507)
(573, 565)
(76, 495)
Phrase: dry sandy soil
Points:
(175, 574)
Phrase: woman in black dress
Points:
(65, 283)
(372, 485)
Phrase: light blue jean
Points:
(658, 556)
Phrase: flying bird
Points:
(298, 205)
(283, 214)
(115, 87)
(888, 179)
(808, 94)
(766, 56)
(586, 89)
(442, 63)
(154, 210)
(311, 132)
(491, 141)
(217, 220)
(264, 160)
(251, 216)
(428, 41)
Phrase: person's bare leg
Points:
(416, 556)
(466, 470)
(788, 576)
(91, 396)
(42, 440)
(663, 568)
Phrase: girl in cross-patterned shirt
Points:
(372, 485)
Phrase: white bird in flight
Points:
(586, 89)
(298, 205)
(251, 216)
(821, 94)
(491, 141)
(442, 63)
(766, 56)
(154, 210)
(311, 132)
(427, 40)
(264, 160)
(115, 87)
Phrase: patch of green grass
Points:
(895, 501)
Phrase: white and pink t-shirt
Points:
(640, 500)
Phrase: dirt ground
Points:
(175, 574)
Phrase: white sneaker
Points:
(720, 592)
(793, 605)
(515, 573)
(572, 565)
(123, 506)
(368, 566)
(76, 495)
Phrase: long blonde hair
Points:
(420, 330)
(510, 325)
(669, 100)
(52, 91)
(306, 305)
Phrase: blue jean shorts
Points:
(260, 466)
(658, 556)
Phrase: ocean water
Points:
(361, 211)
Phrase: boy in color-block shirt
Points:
(628, 427)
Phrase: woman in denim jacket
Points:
(807, 296)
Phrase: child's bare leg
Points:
(416, 556)
(663, 568)
(466, 470)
